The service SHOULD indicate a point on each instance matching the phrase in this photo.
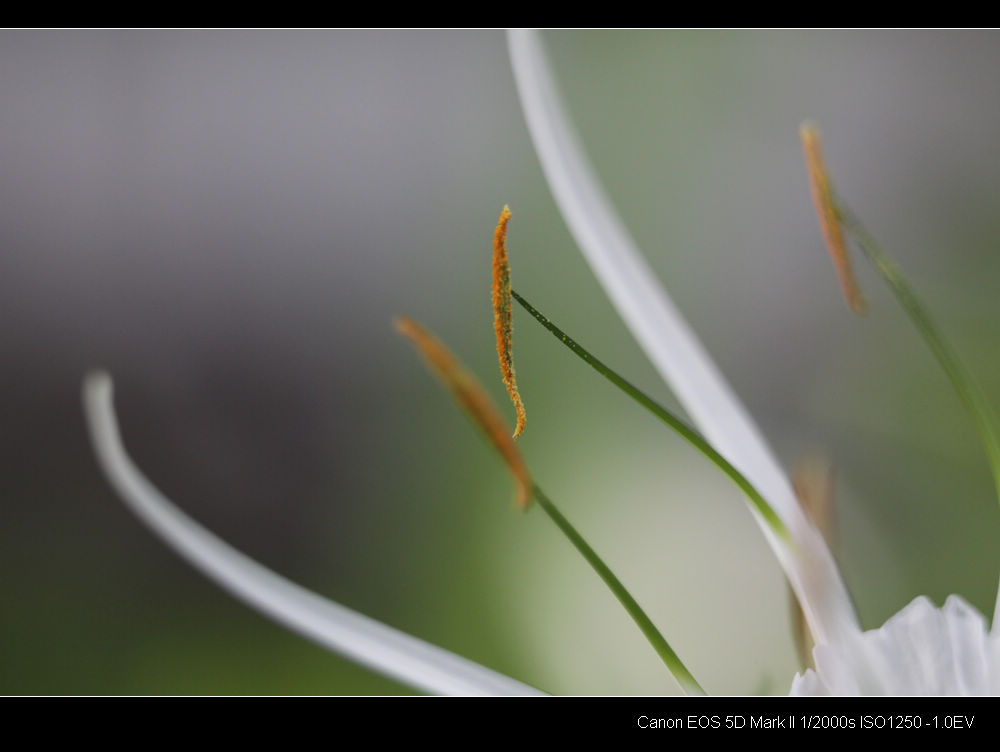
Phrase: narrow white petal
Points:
(669, 342)
(386, 650)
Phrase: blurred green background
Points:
(228, 222)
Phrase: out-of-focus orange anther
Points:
(471, 396)
(829, 222)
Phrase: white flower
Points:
(921, 650)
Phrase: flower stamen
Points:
(503, 318)
(829, 220)
(472, 398)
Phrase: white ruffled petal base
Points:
(922, 650)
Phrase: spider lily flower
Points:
(921, 650)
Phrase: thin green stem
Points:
(678, 425)
(676, 667)
(968, 391)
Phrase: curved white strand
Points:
(382, 648)
(669, 343)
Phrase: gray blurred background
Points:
(228, 222)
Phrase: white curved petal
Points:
(333, 626)
(669, 342)
(922, 650)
